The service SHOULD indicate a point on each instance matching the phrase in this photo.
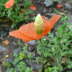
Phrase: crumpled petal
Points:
(9, 4)
(27, 32)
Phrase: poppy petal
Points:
(27, 32)
(9, 4)
(33, 7)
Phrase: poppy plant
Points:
(9, 4)
(29, 31)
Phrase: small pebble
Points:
(48, 3)
(33, 42)
(68, 6)
(2, 49)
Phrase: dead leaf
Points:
(5, 42)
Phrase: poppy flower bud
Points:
(38, 24)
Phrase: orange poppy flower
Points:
(33, 7)
(27, 32)
(9, 4)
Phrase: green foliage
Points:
(27, 3)
(52, 53)
(57, 46)
(16, 13)
(52, 69)
(18, 65)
